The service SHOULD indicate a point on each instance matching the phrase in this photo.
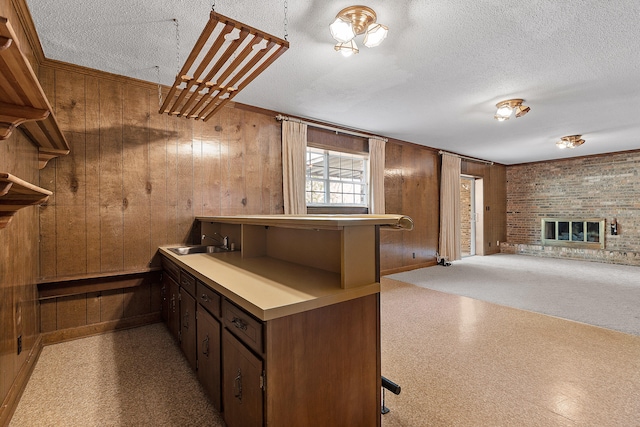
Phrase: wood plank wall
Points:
(19, 315)
(412, 187)
(135, 179)
(495, 203)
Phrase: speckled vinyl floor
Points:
(459, 361)
(135, 377)
(464, 362)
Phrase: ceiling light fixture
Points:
(506, 109)
(571, 141)
(354, 21)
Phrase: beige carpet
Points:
(606, 295)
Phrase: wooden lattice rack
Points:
(227, 56)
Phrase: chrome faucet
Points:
(224, 239)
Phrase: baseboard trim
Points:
(408, 268)
(55, 337)
(10, 402)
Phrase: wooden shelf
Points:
(16, 194)
(24, 102)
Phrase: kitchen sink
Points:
(198, 249)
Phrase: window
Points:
(571, 232)
(336, 179)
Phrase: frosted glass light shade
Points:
(504, 112)
(376, 33)
(342, 31)
(347, 49)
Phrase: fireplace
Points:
(572, 232)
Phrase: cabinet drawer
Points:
(170, 268)
(208, 298)
(188, 282)
(245, 327)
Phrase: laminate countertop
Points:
(268, 287)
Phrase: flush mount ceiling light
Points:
(571, 141)
(506, 109)
(354, 21)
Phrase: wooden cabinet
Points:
(242, 384)
(171, 297)
(294, 315)
(242, 324)
(173, 319)
(188, 327)
(209, 367)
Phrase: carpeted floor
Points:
(605, 295)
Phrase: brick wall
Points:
(606, 186)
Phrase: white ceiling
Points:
(434, 81)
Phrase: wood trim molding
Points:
(57, 289)
(10, 402)
(62, 335)
(408, 268)
(26, 21)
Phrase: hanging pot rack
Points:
(240, 52)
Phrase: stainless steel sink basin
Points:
(198, 249)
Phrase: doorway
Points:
(470, 215)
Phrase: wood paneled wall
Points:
(412, 187)
(494, 178)
(135, 179)
(19, 315)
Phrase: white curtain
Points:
(376, 178)
(294, 147)
(450, 208)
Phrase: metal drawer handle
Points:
(237, 386)
(205, 345)
(186, 319)
(239, 323)
(205, 298)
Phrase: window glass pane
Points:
(342, 175)
(593, 232)
(577, 231)
(549, 230)
(563, 230)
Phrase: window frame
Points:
(346, 208)
(555, 225)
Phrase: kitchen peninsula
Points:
(283, 329)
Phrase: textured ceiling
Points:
(434, 81)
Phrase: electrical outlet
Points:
(414, 255)
(19, 344)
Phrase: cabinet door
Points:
(164, 297)
(173, 309)
(188, 327)
(209, 356)
(241, 389)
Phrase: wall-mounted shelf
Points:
(16, 194)
(23, 101)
